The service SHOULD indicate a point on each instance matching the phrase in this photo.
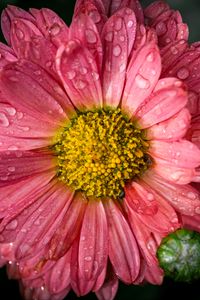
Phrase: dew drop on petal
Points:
(150, 197)
(83, 71)
(150, 57)
(142, 82)
(191, 195)
(109, 36)
(19, 33)
(54, 29)
(80, 84)
(90, 36)
(95, 16)
(130, 24)
(197, 210)
(161, 28)
(11, 111)
(117, 50)
(122, 67)
(118, 23)
(88, 258)
(12, 148)
(4, 120)
(174, 50)
(183, 73)
(13, 79)
(95, 76)
(11, 169)
(12, 225)
(71, 75)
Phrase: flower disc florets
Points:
(99, 151)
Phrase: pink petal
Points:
(16, 165)
(51, 25)
(79, 74)
(6, 253)
(84, 29)
(185, 199)
(123, 250)
(142, 75)
(22, 130)
(155, 9)
(109, 288)
(171, 129)
(8, 15)
(172, 173)
(182, 153)
(157, 220)
(80, 285)
(21, 191)
(162, 105)
(58, 278)
(93, 245)
(100, 280)
(42, 224)
(115, 59)
(46, 96)
(140, 200)
(69, 228)
(6, 55)
(94, 9)
(148, 248)
(171, 53)
(191, 222)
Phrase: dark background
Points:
(190, 10)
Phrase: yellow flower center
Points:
(99, 151)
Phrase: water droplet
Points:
(88, 258)
(80, 84)
(95, 16)
(95, 76)
(142, 82)
(37, 72)
(122, 38)
(118, 23)
(49, 64)
(83, 238)
(130, 24)
(12, 225)
(11, 169)
(11, 111)
(13, 79)
(191, 195)
(153, 72)
(83, 71)
(174, 50)
(150, 57)
(109, 36)
(36, 53)
(19, 33)
(20, 115)
(71, 74)
(54, 29)
(117, 50)
(122, 67)
(183, 73)
(197, 210)
(90, 36)
(150, 197)
(4, 120)
(12, 148)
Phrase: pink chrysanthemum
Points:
(95, 150)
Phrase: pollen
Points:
(99, 151)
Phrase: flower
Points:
(96, 163)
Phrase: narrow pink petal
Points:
(58, 278)
(182, 153)
(142, 75)
(109, 288)
(184, 198)
(133, 5)
(94, 9)
(81, 286)
(21, 191)
(69, 228)
(148, 247)
(123, 250)
(155, 9)
(140, 200)
(6, 55)
(171, 53)
(78, 71)
(17, 165)
(93, 245)
(162, 105)
(191, 222)
(22, 130)
(46, 97)
(172, 173)
(84, 29)
(10, 13)
(51, 25)
(171, 129)
(42, 223)
(115, 44)
(157, 220)
(100, 280)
